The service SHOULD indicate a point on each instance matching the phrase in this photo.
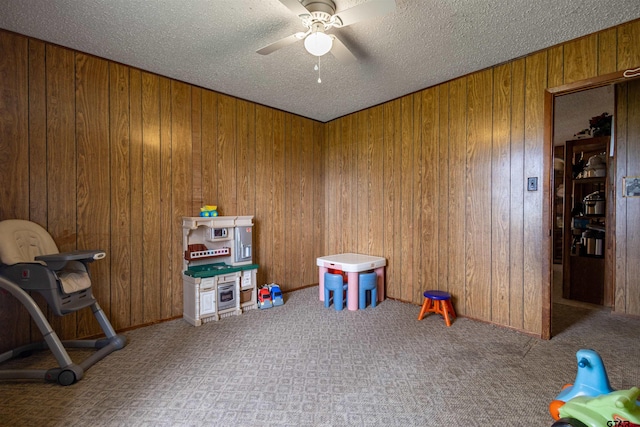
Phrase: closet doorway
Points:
(582, 168)
(621, 292)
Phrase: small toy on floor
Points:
(276, 294)
(270, 296)
(591, 401)
(264, 297)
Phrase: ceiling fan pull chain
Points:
(317, 67)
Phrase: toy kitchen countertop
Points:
(215, 269)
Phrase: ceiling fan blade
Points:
(368, 10)
(341, 52)
(281, 43)
(295, 6)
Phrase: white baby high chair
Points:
(30, 261)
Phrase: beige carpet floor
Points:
(304, 365)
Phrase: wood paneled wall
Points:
(107, 156)
(627, 228)
(452, 205)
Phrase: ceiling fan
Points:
(318, 16)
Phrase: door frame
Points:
(547, 261)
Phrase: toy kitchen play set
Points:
(219, 277)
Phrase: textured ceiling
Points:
(213, 43)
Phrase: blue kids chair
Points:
(367, 282)
(334, 283)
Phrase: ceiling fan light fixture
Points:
(318, 43)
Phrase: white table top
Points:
(350, 262)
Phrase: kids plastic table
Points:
(352, 264)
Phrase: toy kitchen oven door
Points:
(227, 295)
(243, 244)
